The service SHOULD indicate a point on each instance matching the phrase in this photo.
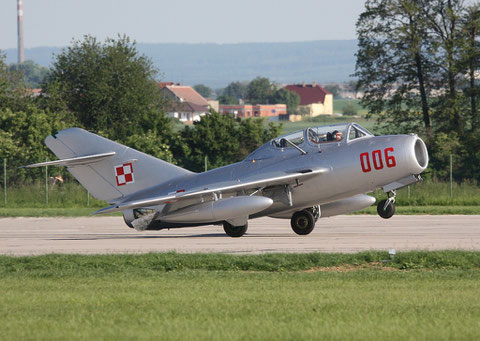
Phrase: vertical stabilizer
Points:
(122, 174)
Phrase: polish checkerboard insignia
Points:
(124, 174)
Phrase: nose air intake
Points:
(420, 156)
(421, 153)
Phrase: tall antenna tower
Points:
(21, 54)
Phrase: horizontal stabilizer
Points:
(74, 161)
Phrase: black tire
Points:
(302, 222)
(385, 213)
(235, 231)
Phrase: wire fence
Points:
(42, 187)
(54, 187)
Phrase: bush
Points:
(350, 109)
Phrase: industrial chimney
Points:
(21, 55)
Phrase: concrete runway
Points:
(95, 235)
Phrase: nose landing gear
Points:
(386, 207)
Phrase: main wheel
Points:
(383, 212)
(302, 222)
(235, 231)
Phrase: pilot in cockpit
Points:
(334, 136)
(337, 136)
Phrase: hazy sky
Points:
(56, 22)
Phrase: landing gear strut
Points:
(234, 231)
(315, 210)
(303, 222)
(386, 207)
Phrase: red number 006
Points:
(378, 162)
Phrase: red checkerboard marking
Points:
(124, 174)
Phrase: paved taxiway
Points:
(32, 236)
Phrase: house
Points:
(260, 110)
(184, 102)
(314, 100)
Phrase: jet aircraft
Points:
(302, 176)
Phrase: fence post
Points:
(88, 198)
(5, 181)
(46, 183)
(451, 177)
(408, 192)
(206, 163)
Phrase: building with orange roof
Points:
(314, 99)
(184, 102)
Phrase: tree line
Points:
(258, 91)
(108, 88)
(418, 63)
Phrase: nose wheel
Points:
(386, 207)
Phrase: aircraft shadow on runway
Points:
(203, 235)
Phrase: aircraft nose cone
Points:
(418, 155)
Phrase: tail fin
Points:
(123, 173)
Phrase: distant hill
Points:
(216, 65)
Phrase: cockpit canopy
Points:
(311, 137)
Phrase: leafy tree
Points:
(470, 61)
(13, 94)
(417, 61)
(334, 89)
(237, 90)
(468, 64)
(108, 86)
(283, 96)
(203, 90)
(260, 90)
(148, 142)
(222, 139)
(34, 74)
(213, 136)
(443, 19)
(23, 124)
(252, 134)
(395, 63)
(227, 99)
(22, 134)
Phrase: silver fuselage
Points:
(345, 176)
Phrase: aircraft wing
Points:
(285, 179)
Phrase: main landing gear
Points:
(303, 222)
(386, 207)
(234, 231)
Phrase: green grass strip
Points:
(430, 210)
(49, 212)
(153, 263)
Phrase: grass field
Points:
(338, 105)
(420, 295)
(288, 127)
